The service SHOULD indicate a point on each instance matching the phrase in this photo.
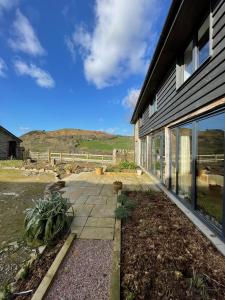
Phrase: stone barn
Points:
(9, 145)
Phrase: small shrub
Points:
(122, 199)
(25, 272)
(6, 292)
(198, 284)
(129, 205)
(47, 219)
(122, 212)
(125, 164)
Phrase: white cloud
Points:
(41, 77)
(71, 47)
(23, 37)
(119, 43)
(3, 68)
(8, 4)
(24, 129)
(131, 99)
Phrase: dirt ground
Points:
(164, 256)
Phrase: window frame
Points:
(194, 40)
(153, 107)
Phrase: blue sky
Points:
(74, 63)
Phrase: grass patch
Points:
(11, 163)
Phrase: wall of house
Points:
(4, 145)
(206, 85)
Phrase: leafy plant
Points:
(25, 272)
(122, 212)
(122, 199)
(47, 219)
(6, 293)
(197, 282)
(125, 164)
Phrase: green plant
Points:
(122, 212)
(47, 219)
(6, 293)
(122, 199)
(25, 271)
(125, 164)
(198, 283)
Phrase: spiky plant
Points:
(47, 219)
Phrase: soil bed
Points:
(164, 256)
(37, 272)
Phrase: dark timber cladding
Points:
(204, 86)
(9, 145)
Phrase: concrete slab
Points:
(103, 211)
(97, 200)
(100, 222)
(95, 233)
(79, 221)
(82, 210)
(77, 230)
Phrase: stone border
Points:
(46, 281)
(115, 276)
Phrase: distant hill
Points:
(75, 140)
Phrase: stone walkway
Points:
(85, 274)
(94, 202)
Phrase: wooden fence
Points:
(70, 157)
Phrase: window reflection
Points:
(173, 140)
(210, 167)
(185, 160)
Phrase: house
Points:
(9, 145)
(179, 118)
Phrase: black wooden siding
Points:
(205, 85)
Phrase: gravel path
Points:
(85, 273)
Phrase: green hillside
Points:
(75, 140)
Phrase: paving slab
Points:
(79, 221)
(97, 200)
(103, 211)
(100, 222)
(97, 233)
(82, 210)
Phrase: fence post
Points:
(114, 156)
(37, 156)
(60, 156)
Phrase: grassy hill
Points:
(75, 140)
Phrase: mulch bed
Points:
(38, 270)
(164, 256)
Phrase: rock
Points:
(15, 245)
(41, 249)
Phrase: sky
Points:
(75, 63)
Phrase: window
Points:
(195, 54)
(153, 106)
(203, 43)
(197, 166)
(188, 61)
(158, 155)
(210, 168)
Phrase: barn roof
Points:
(11, 134)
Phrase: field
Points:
(107, 145)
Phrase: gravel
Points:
(85, 273)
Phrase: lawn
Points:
(17, 190)
(107, 145)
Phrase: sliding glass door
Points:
(210, 167)
(197, 166)
(158, 155)
(185, 162)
